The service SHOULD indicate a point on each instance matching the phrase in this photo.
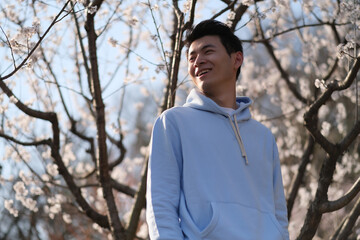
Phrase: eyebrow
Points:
(203, 48)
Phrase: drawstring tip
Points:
(246, 160)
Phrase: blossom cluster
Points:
(351, 9)
(22, 195)
(8, 204)
(54, 206)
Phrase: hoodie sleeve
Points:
(280, 202)
(163, 183)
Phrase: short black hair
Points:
(215, 28)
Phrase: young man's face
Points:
(210, 66)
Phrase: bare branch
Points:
(176, 56)
(348, 223)
(9, 44)
(192, 15)
(110, 18)
(332, 70)
(55, 146)
(338, 86)
(31, 112)
(309, 116)
(35, 143)
(239, 12)
(298, 179)
(160, 39)
(49, 67)
(331, 206)
(139, 204)
(83, 52)
(37, 44)
(123, 188)
(292, 87)
(117, 230)
(230, 5)
(296, 29)
(120, 144)
(90, 140)
(169, 100)
(313, 216)
(350, 137)
(101, 220)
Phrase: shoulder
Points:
(174, 113)
(170, 117)
(260, 128)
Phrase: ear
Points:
(238, 59)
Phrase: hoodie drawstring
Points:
(235, 127)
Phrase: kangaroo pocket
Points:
(234, 221)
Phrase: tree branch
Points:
(20, 105)
(120, 144)
(55, 147)
(230, 5)
(176, 56)
(309, 116)
(36, 45)
(314, 214)
(348, 223)
(90, 140)
(239, 12)
(123, 188)
(83, 52)
(169, 100)
(35, 143)
(139, 204)
(298, 179)
(292, 87)
(350, 137)
(117, 230)
(298, 28)
(9, 44)
(101, 220)
(331, 206)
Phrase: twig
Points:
(36, 45)
(9, 44)
(290, 30)
(229, 6)
(348, 223)
(82, 47)
(160, 39)
(35, 143)
(284, 74)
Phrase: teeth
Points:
(203, 72)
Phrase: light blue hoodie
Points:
(214, 176)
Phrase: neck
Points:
(225, 98)
(226, 102)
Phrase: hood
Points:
(242, 113)
(201, 102)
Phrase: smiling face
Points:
(211, 68)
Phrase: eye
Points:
(209, 51)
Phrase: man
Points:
(214, 173)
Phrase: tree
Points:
(82, 82)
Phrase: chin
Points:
(206, 90)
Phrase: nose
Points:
(199, 60)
